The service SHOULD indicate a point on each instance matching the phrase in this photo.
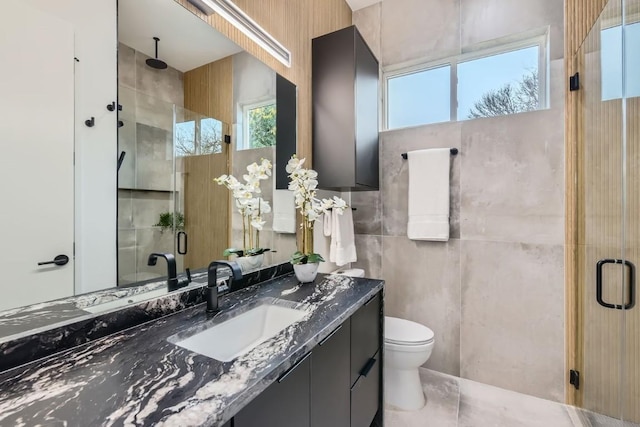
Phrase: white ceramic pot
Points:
(250, 263)
(306, 273)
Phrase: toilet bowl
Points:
(407, 345)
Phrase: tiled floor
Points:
(457, 402)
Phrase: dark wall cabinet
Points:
(286, 128)
(338, 384)
(345, 112)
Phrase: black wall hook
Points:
(112, 107)
(91, 122)
(120, 123)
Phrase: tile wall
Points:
(493, 294)
(146, 179)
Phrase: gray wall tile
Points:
(148, 205)
(415, 29)
(512, 328)
(369, 249)
(512, 178)
(126, 66)
(367, 217)
(154, 158)
(490, 19)
(423, 285)
(368, 20)
(166, 84)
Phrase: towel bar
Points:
(454, 151)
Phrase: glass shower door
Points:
(608, 227)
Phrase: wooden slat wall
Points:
(580, 15)
(208, 90)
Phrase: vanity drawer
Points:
(365, 335)
(365, 394)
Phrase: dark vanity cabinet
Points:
(285, 403)
(366, 363)
(330, 381)
(337, 384)
(345, 85)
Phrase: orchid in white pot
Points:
(303, 182)
(251, 207)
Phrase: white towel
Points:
(284, 212)
(343, 247)
(429, 194)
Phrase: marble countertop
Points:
(138, 377)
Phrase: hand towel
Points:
(429, 194)
(327, 224)
(284, 212)
(343, 247)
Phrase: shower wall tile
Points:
(369, 249)
(368, 20)
(512, 328)
(423, 285)
(395, 172)
(126, 256)
(166, 84)
(153, 112)
(125, 209)
(127, 143)
(418, 29)
(512, 178)
(154, 158)
(153, 240)
(126, 66)
(490, 19)
(148, 205)
(367, 218)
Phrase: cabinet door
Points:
(365, 335)
(365, 394)
(330, 380)
(284, 403)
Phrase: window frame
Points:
(245, 142)
(536, 38)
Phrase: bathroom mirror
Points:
(175, 129)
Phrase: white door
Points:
(36, 162)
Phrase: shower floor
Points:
(457, 402)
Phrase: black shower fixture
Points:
(155, 62)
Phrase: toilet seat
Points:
(405, 333)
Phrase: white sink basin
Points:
(121, 302)
(236, 336)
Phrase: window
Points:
(611, 43)
(259, 121)
(199, 136)
(419, 98)
(505, 79)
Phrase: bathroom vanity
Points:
(324, 369)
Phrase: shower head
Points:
(155, 62)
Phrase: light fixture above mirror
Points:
(234, 15)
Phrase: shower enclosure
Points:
(607, 372)
(167, 201)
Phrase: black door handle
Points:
(186, 242)
(59, 260)
(631, 283)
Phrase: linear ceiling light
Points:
(232, 13)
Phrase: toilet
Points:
(407, 346)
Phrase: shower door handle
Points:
(631, 284)
(181, 250)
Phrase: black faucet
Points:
(212, 282)
(172, 277)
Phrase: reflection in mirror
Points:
(176, 128)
